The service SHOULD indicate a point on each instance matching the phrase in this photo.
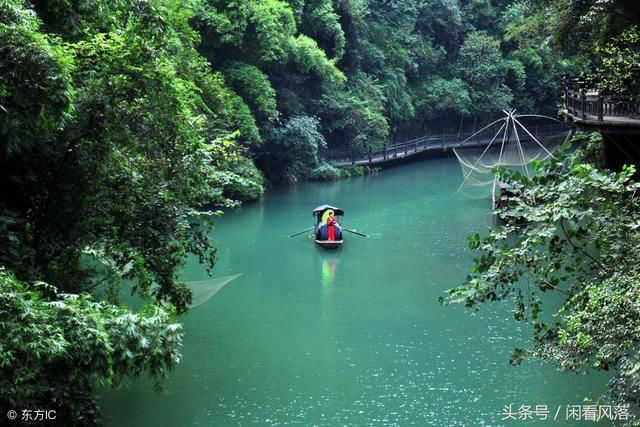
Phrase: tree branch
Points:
(546, 282)
(598, 263)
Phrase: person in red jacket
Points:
(331, 226)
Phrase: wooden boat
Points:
(320, 215)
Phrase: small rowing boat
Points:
(324, 235)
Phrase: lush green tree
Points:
(439, 97)
(572, 231)
(254, 87)
(321, 51)
(276, 68)
(116, 148)
(290, 151)
(256, 31)
(35, 82)
(354, 118)
(588, 35)
(577, 25)
(325, 172)
(619, 69)
(479, 15)
(442, 21)
(484, 71)
(115, 135)
(528, 38)
(322, 23)
(307, 56)
(116, 164)
(55, 348)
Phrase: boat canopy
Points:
(320, 210)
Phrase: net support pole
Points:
(524, 161)
(533, 137)
(495, 178)
(481, 155)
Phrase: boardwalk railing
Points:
(424, 143)
(584, 105)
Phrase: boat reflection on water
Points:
(325, 266)
(328, 273)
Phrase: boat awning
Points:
(320, 209)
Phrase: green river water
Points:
(355, 336)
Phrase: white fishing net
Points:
(203, 290)
(514, 142)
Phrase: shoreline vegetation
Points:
(125, 125)
(570, 230)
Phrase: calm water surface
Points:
(355, 336)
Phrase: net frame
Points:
(518, 147)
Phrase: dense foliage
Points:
(115, 138)
(572, 230)
(570, 237)
(126, 124)
(619, 70)
(54, 347)
(371, 72)
(604, 33)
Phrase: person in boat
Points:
(321, 231)
(331, 226)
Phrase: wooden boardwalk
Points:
(412, 147)
(588, 111)
(604, 113)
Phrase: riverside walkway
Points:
(604, 113)
(588, 111)
(415, 146)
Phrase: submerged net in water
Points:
(203, 290)
(514, 142)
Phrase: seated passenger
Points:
(322, 233)
(331, 225)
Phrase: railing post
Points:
(570, 103)
(600, 108)
(583, 97)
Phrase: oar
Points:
(354, 232)
(303, 231)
